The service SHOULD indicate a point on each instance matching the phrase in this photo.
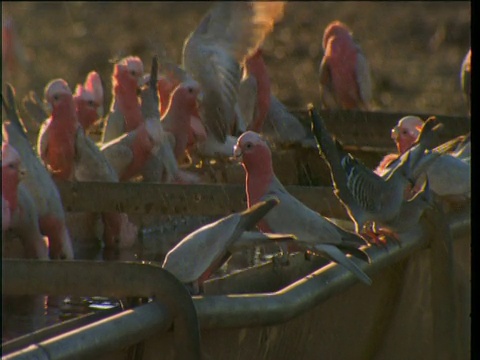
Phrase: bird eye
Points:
(133, 72)
(404, 132)
(190, 90)
(55, 97)
(248, 145)
(91, 103)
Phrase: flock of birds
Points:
(218, 104)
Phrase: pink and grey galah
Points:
(150, 148)
(20, 208)
(203, 251)
(404, 134)
(125, 114)
(70, 154)
(313, 231)
(448, 176)
(51, 215)
(213, 55)
(345, 81)
(255, 68)
(88, 100)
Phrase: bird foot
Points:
(380, 238)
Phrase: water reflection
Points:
(24, 314)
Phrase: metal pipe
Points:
(110, 279)
(56, 329)
(241, 310)
(124, 329)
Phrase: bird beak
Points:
(22, 172)
(100, 111)
(200, 97)
(395, 133)
(142, 80)
(48, 107)
(237, 153)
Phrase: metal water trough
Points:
(310, 309)
(231, 321)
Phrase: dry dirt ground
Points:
(415, 49)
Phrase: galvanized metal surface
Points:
(173, 199)
(90, 341)
(267, 309)
(57, 329)
(111, 279)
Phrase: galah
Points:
(148, 150)
(70, 154)
(367, 197)
(282, 127)
(125, 114)
(313, 231)
(404, 134)
(449, 175)
(255, 67)
(466, 77)
(171, 75)
(214, 53)
(206, 249)
(13, 51)
(88, 100)
(51, 215)
(23, 215)
(345, 81)
(176, 120)
(162, 165)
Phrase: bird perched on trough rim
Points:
(366, 196)
(213, 55)
(70, 154)
(314, 232)
(39, 183)
(345, 81)
(22, 213)
(203, 251)
(449, 175)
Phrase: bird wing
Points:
(364, 81)
(214, 52)
(118, 153)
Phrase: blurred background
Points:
(415, 48)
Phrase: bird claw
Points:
(380, 238)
